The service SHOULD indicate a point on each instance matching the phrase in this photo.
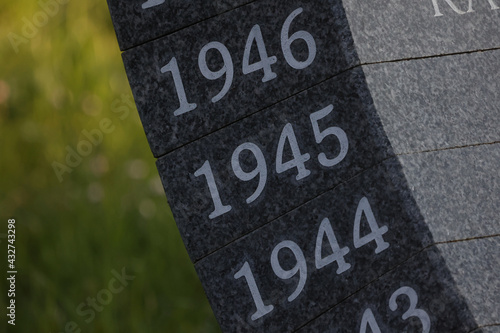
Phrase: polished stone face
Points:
(332, 166)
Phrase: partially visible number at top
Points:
(265, 63)
(152, 3)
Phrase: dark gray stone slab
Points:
(384, 189)
(155, 92)
(438, 103)
(190, 196)
(457, 190)
(400, 29)
(439, 277)
(139, 21)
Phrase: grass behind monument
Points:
(78, 226)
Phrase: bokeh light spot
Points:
(4, 92)
(137, 169)
(147, 208)
(95, 192)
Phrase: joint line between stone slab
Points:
(190, 25)
(428, 57)
(449, 148)
(480, 327)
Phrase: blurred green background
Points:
(62, 74)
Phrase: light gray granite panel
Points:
(438, 103)
(423, 151)
(136, 25)
(475, 267)
(400, 29)
(457, 191)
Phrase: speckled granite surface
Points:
(474, 266)
(457, 190)
(423, 154)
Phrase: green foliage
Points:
(110, 211)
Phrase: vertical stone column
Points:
(332, 166)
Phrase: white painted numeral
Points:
(338, 253)
(412, 311)
(179, 87)
(298, 160)
(260, 168)
(262, 309)
(220, 209)
(320, 135)
(376, 231)
(152, 3)
(227, 69)
(286, 42)
(300, 267)
(368, 320)
(265, 61)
